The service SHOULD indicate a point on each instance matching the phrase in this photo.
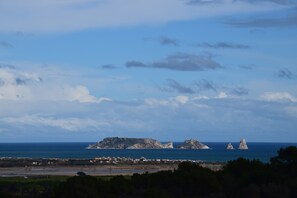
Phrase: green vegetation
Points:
(29, 187)
(239, 178)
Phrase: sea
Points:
(75, 150)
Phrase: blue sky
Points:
(213, 70)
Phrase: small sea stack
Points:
(243, 145)
(230, 147)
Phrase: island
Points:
(192, 144)
(243, 145)
(230, 147)
(130, 143)
(143, 143)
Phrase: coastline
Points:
(104, 170)
(104, 166)
(218, 153)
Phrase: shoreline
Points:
(103, 166)
(105, 170)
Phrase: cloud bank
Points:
(5, 44)
(222, 45)
(288, 22)
(52, 108)
(176, 117)
(163, 40)
(278, 96)
(180, 62)
(285, 74)
(280, 2)
(37, 16)
(16, 84)
(172, 85)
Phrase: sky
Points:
(212, 70)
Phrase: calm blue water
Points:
(261, 151)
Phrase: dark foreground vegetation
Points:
(239, 178)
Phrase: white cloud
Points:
(154, 102)
(222, 95)
(16, 84)
(69, 15)
(182, 99)
(278, 96)
(200, 98)
(162, 119)
(173, 102)
(201, 105)
(82, 94)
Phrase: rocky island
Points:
(230, 147)
(143, 143)
(130, 143)
(243, 145)
(192, 144)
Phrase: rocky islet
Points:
(143, 143)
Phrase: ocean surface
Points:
(217, 153)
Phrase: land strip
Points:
(103, 166)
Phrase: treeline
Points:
(239, 178)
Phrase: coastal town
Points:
(22, 162)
